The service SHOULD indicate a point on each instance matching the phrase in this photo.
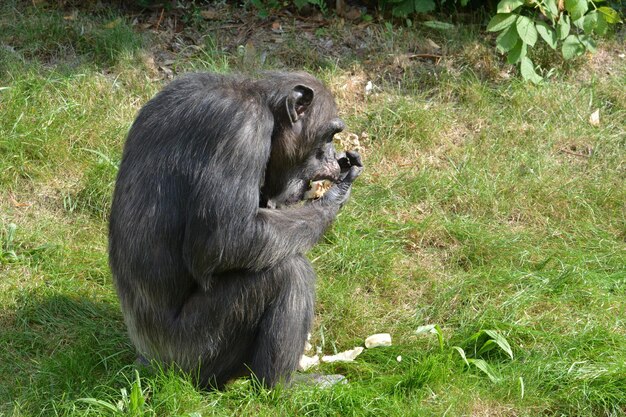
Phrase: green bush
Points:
(404, 8)
(568, 25)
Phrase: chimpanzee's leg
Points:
(283, 329)
(246, 322)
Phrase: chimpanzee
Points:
(208, 226)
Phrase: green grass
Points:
(486, 204)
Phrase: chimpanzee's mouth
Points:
(324, 177)
(305, 187)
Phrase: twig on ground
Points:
(581, 155)
(158, 24)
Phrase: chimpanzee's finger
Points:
(354, 158)
(354, 172)
(344, 162)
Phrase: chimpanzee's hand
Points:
(351, 167)
(349, 159)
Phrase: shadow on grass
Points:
(61, 347)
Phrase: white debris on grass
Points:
(307, 362)
(375, 340)
(594, 118)
(379, 339)
(346, 356)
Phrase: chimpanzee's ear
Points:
(298, 101)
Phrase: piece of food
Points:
(317, 190)
(347, 356)
(307, 362)
(379, 339)
(594, 119)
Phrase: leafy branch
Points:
(569, 24)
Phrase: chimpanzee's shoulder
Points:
(203, 86)
(208, 80)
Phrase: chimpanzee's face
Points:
(302, 144)
(321, 163)
(317, 161)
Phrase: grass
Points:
(486, 204)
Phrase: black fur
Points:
(206, 240)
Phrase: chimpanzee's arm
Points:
(297, 228)
(263, 240)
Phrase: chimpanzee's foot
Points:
(318, 380)
(141, 361)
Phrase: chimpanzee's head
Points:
(305, 122)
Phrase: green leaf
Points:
(435, 24)
(403, 9)
(590, 22)
(572, 47)
(103, 405)
(588, 42)
(432, 328)
(507, 39)
(551, 9)
(501, 21)
(579, 23)
(137, 400)
(507, 6)
(610, 15)
(526, 30)
(499, 339)
(300, 3)
(601, 25)
(439, 336)
(424, 6)
(527, 68)
(484, 366)
(462, 353)
(486, 347)
(563, 27)
(517, 53)
(576, 8)
(425, 329)
(547, 33)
